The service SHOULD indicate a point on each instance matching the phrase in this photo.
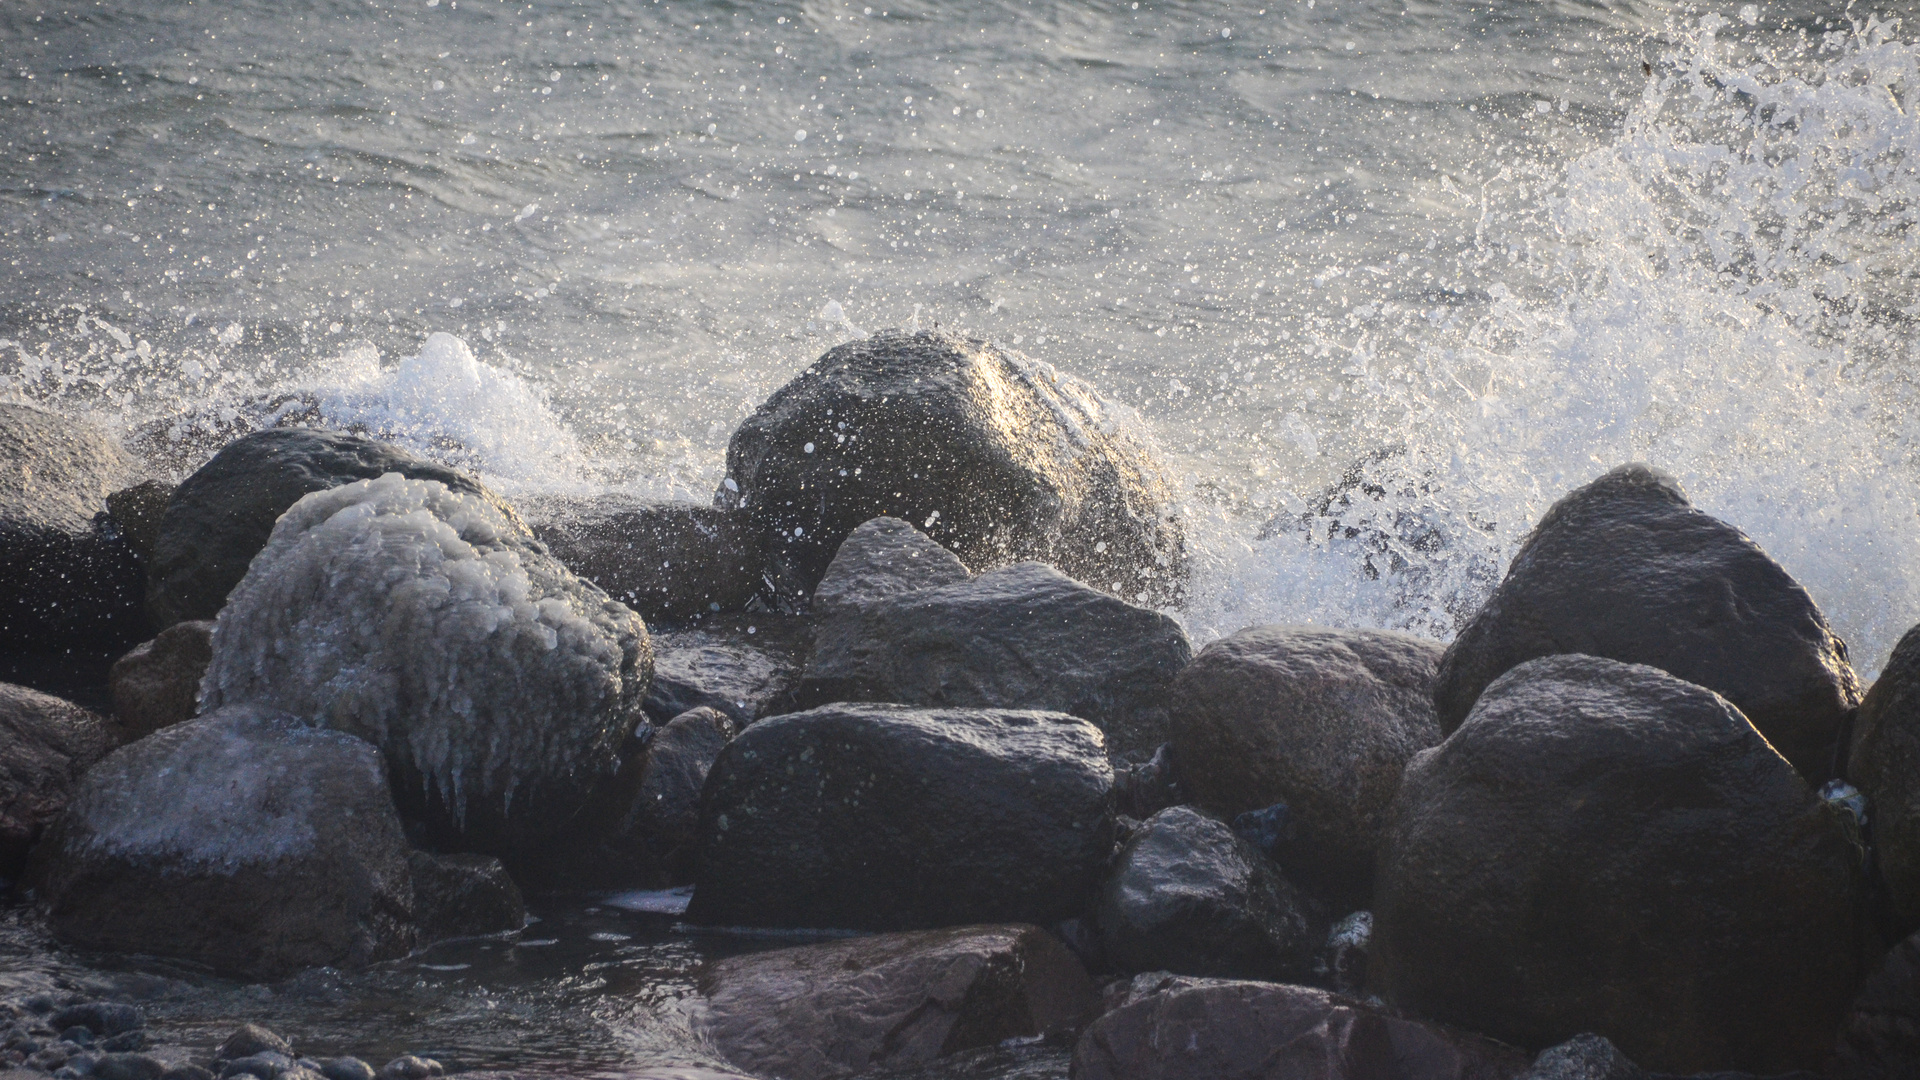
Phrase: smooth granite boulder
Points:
(883, 817)
(997, 456)
(46, 744)
(1624, 568)
(1604, 848)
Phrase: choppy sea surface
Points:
(1469, 254)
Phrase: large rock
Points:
(462, 895)
(745, 666)
(67, 577)
(1603, 847)
(997, 456)
(642, 834)
(667, 561)
(1207, 1029)
(1584, 1057)
(244, 840)
(1321, 720)
(1624, 568)
(157, 684)
(424, 620)
(890, 1001)
(883, 557)
(45, 746)
(1880, 1038)
(1190, 897)
(1884, 762)
(221, 516)
(1021, 637)
(881, 817)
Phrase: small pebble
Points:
(410, 1067)
(78, 1035)
(128, 1067)
(250, 1039)
(345, 1068)
(267, 1065)
(187, 1072)
(99, 1017)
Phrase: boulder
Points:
(668, 561)
(882, 558)
(1021, 637)
(244, 840)
(1211, 1029)
(459, 895)
(136, 513)
(1624, 568)
(1604, 848)
(1880, 1038)
(1584, 1057)
(890, 1001)
(1190, 897)
(422, 619)
(745, 666)
(221, 516)
(1320, 720)
(882, 817)
(158, 684)
(67, 577)
(45, 746)
(1884, 762)
(999, 457)
(250, 1039)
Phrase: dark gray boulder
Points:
(891, 1000)
(1884, 762)
(643, 833)
(997, 456)
(1584, 1057)
(668, 561)
(46, 744)
(463, 895)
(1190, 897)
(1624, 568)
(1323, 721)
(250, 1039)
(1604, 848)
(157, 683)
(220, 517)
(883, 557)
(1021, 637)
(745, 666)
(67, 576)
(1213, 1029)
(882, 817)
(243, 840)
(1880, 1038)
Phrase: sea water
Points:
(1383, 278)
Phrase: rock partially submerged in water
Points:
(1319, 721)
(463, 895)
(1190, 897)
(882, 558)
(668, 561)
(67, 578)
(157, 684)
(997, 456)
(1021, 637)
(424, 620)
(890, 1001)
(46, 744)
(245, 840)
(1209, 1029)
(643, 833)
(1603, 847)
(882, 817)
(221, 516)
(1884, 761)
(1625, 568)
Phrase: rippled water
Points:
(1480, 251)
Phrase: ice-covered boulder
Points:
(221, 516)
(998, 456)
(245, 840)
(431, 624)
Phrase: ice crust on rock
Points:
(427, 622)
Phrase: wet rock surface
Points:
(1625, 568)
(1584, 1057)
(498, 685)
(67, 577)
(1604, 848)
(46, 744)
(644, 833)
(1212, 1029)
(882, 817)
(242, 840)
(1190, 897)
(157, 684)
(668, 561)
(1320, 721)
(845, 1007)
(1880, 1037)
(997, 456)
(221, 516)
(883, 557)
(461, 895)
(744, 666)
(1024, 636)
(1884, 762)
